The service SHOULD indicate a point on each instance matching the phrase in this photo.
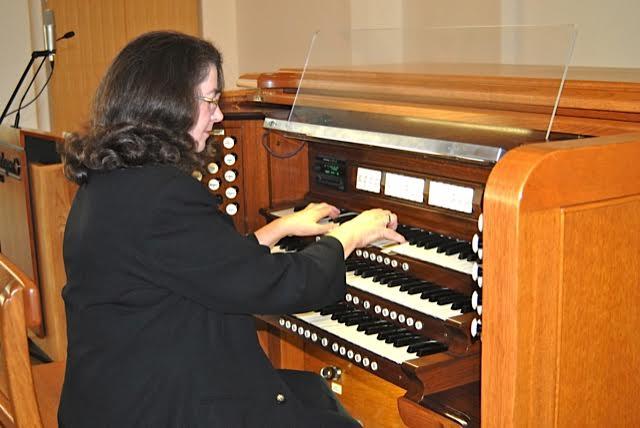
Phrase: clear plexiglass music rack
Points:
(446, 91)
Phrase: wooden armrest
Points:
(33, 310)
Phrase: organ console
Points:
(505, 305)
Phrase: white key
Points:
(359, 338)
(431, 256)
(402, 298)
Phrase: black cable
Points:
(26, 91)
(37, 95)
(67, 35)
(291, 154)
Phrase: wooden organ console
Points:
(491, 314)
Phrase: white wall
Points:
(258, 35)
(608, 31)
(15, 52)
(219, 22)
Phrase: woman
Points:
(160, 286)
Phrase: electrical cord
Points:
(291, 154)
(37, 95)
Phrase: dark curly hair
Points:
(144, 107)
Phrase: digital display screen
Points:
(330, 172)
(330, 166)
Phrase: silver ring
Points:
(388, 219)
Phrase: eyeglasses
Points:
(213, 103)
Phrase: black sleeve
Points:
(195, 252)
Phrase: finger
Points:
(393, 221)
(324, 210)
(392, 235)
(325, 228)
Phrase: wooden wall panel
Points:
(102, 29)
(146, 15)
(82, 60)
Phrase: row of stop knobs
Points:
(229, 177)
(476, 274)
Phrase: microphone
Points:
(67, 35)
(49, 27)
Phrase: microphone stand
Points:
(34, 55)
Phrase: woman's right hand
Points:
(369, 226)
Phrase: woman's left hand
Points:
(305, 222)
(301, 223)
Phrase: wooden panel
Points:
(256, 173)
(52, 197)
(21, 397)
(148, 15)
(599, 343)
(418, 416)
(48, 380)
(289, 172)
(81, 61)
(16, 229)
(561, 253)
(102, 29)
(368, 398)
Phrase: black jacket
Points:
(159, 292)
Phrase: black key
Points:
(355, 264)
(383, 275)
(339, 312)
(342, 218)
(473, 257)
(353, 267)
(455, 249)
(371, 272)
(357, 321)
(451, 299)
(365, 324)
(466, 301)
(414, 347)
(467, 308)
(374, 329)
(352, 314)
(407, 285)
(433, 242)
(423, 288)
(427, 294)
(393, 337)
(439, 293)
(465, 253)
(390, 332)
(418, 236)
(392, 277)
(364, 268)
(408, 340)
(398, 281)
(329, 309)
(430, 239)
(449, 243)
(432, 350)
(410, 233)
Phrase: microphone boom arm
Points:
(34, 55)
